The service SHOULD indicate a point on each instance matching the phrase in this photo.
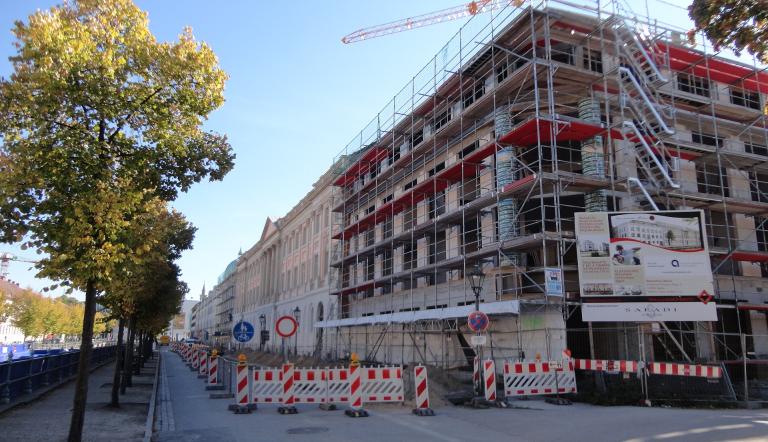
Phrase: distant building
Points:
(8, 333)
(180, 326)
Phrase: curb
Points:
(150, 424)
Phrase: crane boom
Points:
(419, 21)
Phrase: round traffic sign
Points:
(478, 321)
(286, 326)
(243, 331)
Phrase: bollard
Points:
(242, 405)
(288, 389)
(489, 371)
(355, 389)
(203, 372)
(422, 392)
(213, 372)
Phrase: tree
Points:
(97, 119)
(738, 24)
(27, 312)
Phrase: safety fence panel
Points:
(607, 366)
(337, 385)
(383, 384)
(310, 385)
(667, 368)
(267, 386)
(536, 378)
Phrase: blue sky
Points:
(295, 97)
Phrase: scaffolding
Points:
(528, 115)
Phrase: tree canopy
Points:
(737, 24)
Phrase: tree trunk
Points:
(86, 348)
(140, 357)
(118, 366)
(127, 380)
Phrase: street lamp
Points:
(476, 278)
(262, 328)
(296, 316)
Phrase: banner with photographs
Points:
(644, 266)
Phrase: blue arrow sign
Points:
(243, 331)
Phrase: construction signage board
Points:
(553, 281)
(644, 266)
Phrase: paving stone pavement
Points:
(47, 419)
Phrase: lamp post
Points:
(476, 278)
(262, 328)
(296, 316)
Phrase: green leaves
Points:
(738, 24)
(100, 124)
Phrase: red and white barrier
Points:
(203, 363)
(536, 378)
(337, 385)
(607, 365)
(355, 387)
(267, 386)
(672, 369)
(241, 397)
(422, 388)
(287, 379)
(309, 386)
(195, 359)
(489, 377)
(382, 384)
(213, 372)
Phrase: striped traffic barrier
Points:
(213, 372)
(610, 366)
(355, 389)
(202, 373)
(422, 392)
(537, 378)
(242, 403)
(195, 359)
(673, 369)
(288, 387)
(489, 375)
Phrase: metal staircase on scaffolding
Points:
(646, 117)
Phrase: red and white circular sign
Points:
(286, 326)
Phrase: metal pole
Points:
(744, 363)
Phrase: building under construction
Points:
(527, 116)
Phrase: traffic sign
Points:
(478, 340)
(478, 321)
(243, 331)
(286, 326)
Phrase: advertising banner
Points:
(644, 266)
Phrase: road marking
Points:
(404, 423)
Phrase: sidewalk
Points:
(48, 418)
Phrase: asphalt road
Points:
(192, 415)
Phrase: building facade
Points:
(526, 117)
(180, 326)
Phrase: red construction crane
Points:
(431, 18)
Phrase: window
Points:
(593, 60)
(410, 185)
(749, 99)
(418, 137)
(469, 149)
(370, 209)
(475, 92)
(436, 169)
(442, 119)
(388, 198)
(708, 178)
(693, 84)
(502, 71)
(756, 149)
(709, 140)
(562, 53)
(758, 186)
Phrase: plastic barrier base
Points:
(202, 376)
(423, 412)
(287, 410)
(356, 413)
(558, 401)
(328, 407)
(239, 409)
(214, 387)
